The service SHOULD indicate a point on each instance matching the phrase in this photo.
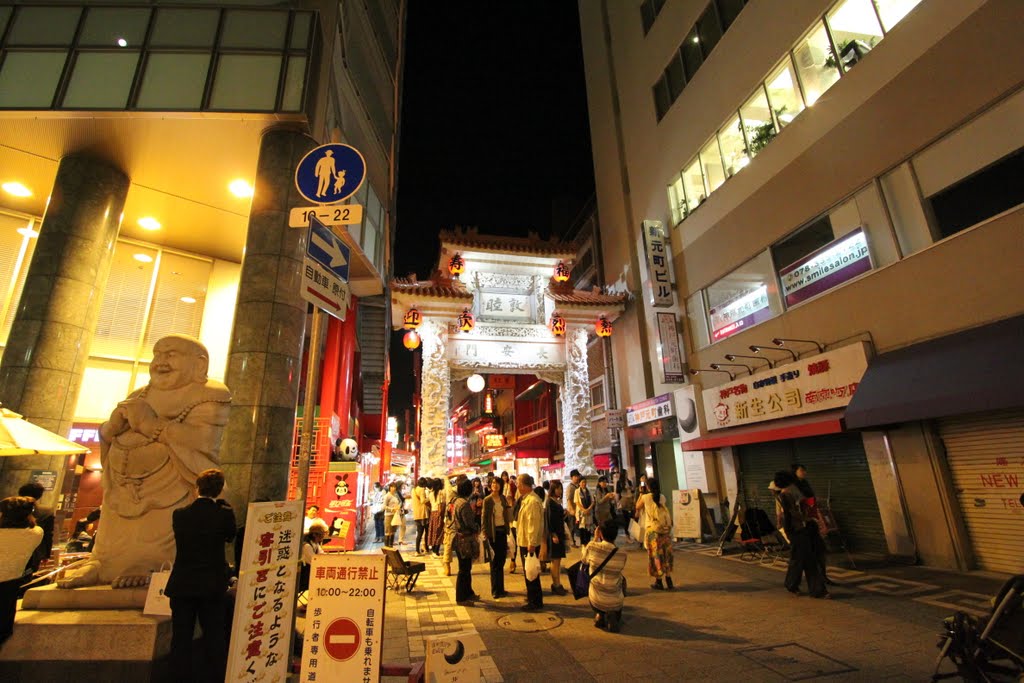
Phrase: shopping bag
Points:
(579, 579)
(635, 532)
(157, 603)
(531, 567)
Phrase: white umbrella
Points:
(18, 436)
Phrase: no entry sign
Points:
(341, 639)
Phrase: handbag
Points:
(467, 546)
(157, 603)
(580, 575)
(397, 519)
(635, 532)
(531, 567)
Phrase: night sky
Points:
(494, 131)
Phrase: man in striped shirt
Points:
(606, 586)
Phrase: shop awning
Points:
(815, 424)
(603, 461)
(553, 466)
(973, 371)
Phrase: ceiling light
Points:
(696, 39)
(27, 231)
(16, 189)
(143, 258)
(188, 300)
(240, 188)
(149, 223)
(121, 42)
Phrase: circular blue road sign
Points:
(330, 173)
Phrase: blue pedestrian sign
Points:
(330, 173)
(327, 249)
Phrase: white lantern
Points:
(475, 383)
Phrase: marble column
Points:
(435, 393)
(265, 357)
(42, 366)
(576, 404)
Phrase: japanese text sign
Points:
(671, 354)
(659, 255)
(651, 409)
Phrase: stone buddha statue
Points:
(153, 447)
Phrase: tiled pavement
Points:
(726, 620)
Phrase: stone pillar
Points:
(576, 404)
(42, 366)
(435, 392)
(265, 358)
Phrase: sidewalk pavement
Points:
(726, 619)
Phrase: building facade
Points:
(838, 184)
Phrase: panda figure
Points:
(348, 449)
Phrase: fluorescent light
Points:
(16, 189)
(27, 231)
(149, 223)
(240, 188)
(143, 258)
(121, 42)
(187, 300)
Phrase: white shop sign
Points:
(454, 657)
(344, 618)
(503, 354)
(651, 409)
(822, 382)
(658, 253)
(261, 631)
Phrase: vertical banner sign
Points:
(261, 631)
(658, 253)
(344, 619)
(671, 354)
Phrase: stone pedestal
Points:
(93, 597)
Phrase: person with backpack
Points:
(658, 535)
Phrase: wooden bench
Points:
(398, 568)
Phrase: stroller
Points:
(759, 540)
(989, 649)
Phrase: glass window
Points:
(893, 11)
(246, 82)
(178, 300)
(44, 26)
(783, 93)
(105, 383)
(728, 10)
(815, 65)
(17, 245)
(711, 160)
(300, 30)
(708, 29)
(757, 122)
(647, 15)
(734, 147)
(904, 202)
(743, 298)
(661, 97)
(980, 196)
(174, 81)
(822, 261)
(107, 26)
(597, 397)
(675, 77)
(677, 200)
(101, 80)
(29, 79)
(259, 29)
(698, 319)
(693, 182)
(855, 30)
(123, 310)
(295, 78)
(692, 55)
(184, 28)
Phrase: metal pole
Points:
(309, 407)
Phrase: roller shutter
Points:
(986, 458)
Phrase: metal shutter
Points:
(986, 458)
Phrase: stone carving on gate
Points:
(575, 396)
(435, 391)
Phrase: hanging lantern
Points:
(476, 383)
(466, 321)
(603, 327)
(456, 265)
(557, 325)
(489, 403)
(413, 319)
(561, 272)
(411, 340)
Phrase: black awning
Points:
(972, 371)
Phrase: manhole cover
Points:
(796, 662)
(530, 622)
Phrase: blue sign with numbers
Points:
(330, 173)
(327, 249)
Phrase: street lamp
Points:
(734, 356)
(750, 370)
(757, 349)
(779, 341)
(697, 371)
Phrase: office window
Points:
(783, 94)
(677, 200)
(728, 10)
(662, 101)
(101, 80)
(676, 77)
(294, 80)
(254, 29)
(301, 24)
(855, 30)
(709, 30)
(893, 11)
(743, 298)
(757, 121)
(246, 82)
(734, 147)
(693, 182)
(711, 160)
(122, 313)
(178, 299)
(44, 25)
(29, 79)
(693, 57)
(649, 11)
(105, 26)
(815, 64)
(184, 28)
(697, 315)
(174, 80)
(991, 191)
(597, 400)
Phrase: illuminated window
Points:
(101, 80)
(783, 93)
(734, 147)
(757, 122)
(677, 200)
(29, 79)
(745, 297)
(855, 30)
(16, 249)
(693, 183)
(711, 160)
(893, 11)
(816, 65)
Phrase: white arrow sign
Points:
(337, 258)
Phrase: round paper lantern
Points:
(603, 327)
(456, 265)
(466, 321)
(561, 272)
(413, 319)
(411, 340)
(557, 325)
(475, 383)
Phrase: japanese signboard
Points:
(835, 263)
(492, 441)
(820, 382)
(671, 354)
(498, 354)
(46, 478)
(504, 306)
(261, 630)
(344, 619)
(454, 657)
(339, 504)
(616, 418)
(743, 311)
(659, 254)
(651, 409)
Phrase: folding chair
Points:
(397, 568)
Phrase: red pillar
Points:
(347, 368)
(330, 369)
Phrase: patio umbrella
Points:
(18, 436)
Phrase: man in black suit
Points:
(44, 520)
(199, 579)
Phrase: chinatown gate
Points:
(508, 287)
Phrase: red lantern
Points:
(413, 319)
(411, 340)
(603, 327)
(557, 325)
(561, 272)
(456, 265)
(466, 321)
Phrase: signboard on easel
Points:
(690, 515)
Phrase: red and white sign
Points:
(344, 618)
(820, 382)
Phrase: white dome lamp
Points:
(475, 383)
